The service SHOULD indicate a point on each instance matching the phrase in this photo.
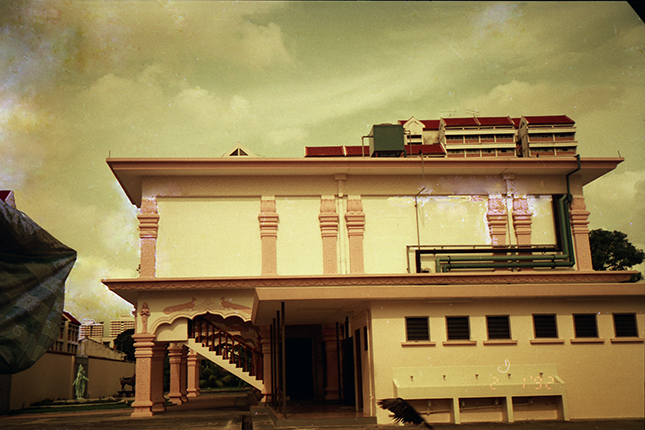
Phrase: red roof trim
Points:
(324, 151)
(70, 317)
(354, 151)
(495, 120)
(424, 149)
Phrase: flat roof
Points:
(131, 171)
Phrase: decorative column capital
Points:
(355, 217)
(268, 219)
(328, 218)
(148, 226)
(497, 220)
(522, 220)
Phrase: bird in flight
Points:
(403, 412)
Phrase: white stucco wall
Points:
(206, 237)
(299, 243)
(391, 225)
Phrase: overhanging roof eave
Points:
(130, 172)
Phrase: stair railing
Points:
(228, 346)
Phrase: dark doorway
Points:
(359, 370)
(300, 380)
(348, 372)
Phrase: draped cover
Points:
(33, 269)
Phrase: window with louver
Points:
(458, 328)
(625, 325)
(417, 328)
(545, 326)
(585, 325)
(498, 327)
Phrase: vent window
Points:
(625, 325)
(417, 328)
(458, 328)
(545, 326)
(585, 325)
(498, 327)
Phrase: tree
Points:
(610, 250)
(125, 343)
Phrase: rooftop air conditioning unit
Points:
(386, 140)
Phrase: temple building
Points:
(445, 262)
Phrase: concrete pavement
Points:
(231, 411)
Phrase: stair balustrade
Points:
(229, 347)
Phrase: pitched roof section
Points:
(492, 121)
(460, 122)
(70, 317)
(431, 124)
(549, 119)
(428, 124)
(239, 150)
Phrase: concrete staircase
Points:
(225, 363)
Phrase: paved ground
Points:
(227, 411)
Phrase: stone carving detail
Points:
(497, 220)
(522, 220)
(145, 314)
(148, 229)
(444, 279)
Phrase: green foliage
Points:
(213, 376)
(125, 343)
(610, 250)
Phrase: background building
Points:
(68, 336)
(120, 325)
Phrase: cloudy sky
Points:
(82, 80)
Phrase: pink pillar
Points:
(158, 400)
(148, 228)
(331, 354)
(174, 357)
(149, 376)
(183, 381)
(355, 218)
(265, 344)
(143, 393)
(329, 230)
(580, 232)
(192, 378)
(268, 219)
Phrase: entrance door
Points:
(300, 368)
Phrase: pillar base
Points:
(142, 409)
